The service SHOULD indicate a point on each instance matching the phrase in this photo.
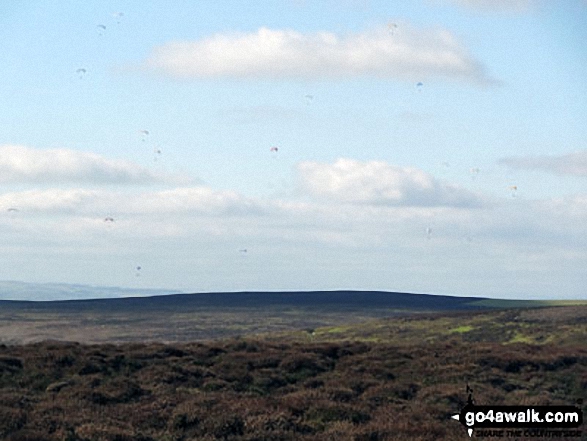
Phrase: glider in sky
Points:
(118, 16)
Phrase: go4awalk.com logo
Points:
(517, 421)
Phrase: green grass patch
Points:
(504, 303)
(520, 338)
(461, 329)
(563, 302)
(337, 329)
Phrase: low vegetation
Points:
(382, 380)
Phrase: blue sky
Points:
(473, 183)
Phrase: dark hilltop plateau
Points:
(343, 365)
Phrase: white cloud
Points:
(188, 200)
(380, 183)
(409, 54)
(20, 164)
(359, 235)
(51, 200)
(573, 164)
(569, 212)
(202, 200)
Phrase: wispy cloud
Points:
(201, 200)
(405, 54)
(53, 200)
(495, 5)
(380, 183)
(21, 164)
(188, 200)
(255, 114)
(572, 164)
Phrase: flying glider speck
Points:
(118, 16)
(81, 72)
(101, 28)
(274, 149)
(108, 219)
(12, 209)
(428, 232)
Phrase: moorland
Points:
(394, 378)
(190, 317)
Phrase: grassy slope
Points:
(538, 326)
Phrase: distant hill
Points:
(332, 299)
(189, 317)
(17, 290)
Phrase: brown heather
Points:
(352, 387)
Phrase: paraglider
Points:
(428, 232)
(108, 219)
(101, 28)
(144, 134)
(138, 269)
(12, 209)
(513, 189)
(156, 152)
(309, 99)
(391, 27)
(419, 86)
(243, 251)
(274, 149)
(81, 72)
(474, 172)
(118, 16)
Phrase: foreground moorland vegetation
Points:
(397, 379)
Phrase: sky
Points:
(430, 146)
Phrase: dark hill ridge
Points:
(306, 299)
